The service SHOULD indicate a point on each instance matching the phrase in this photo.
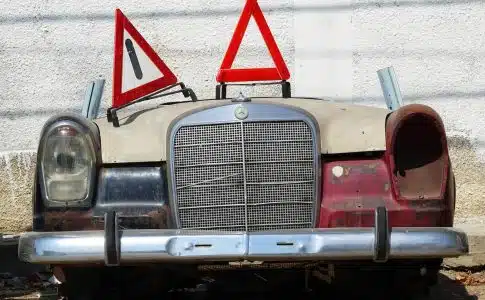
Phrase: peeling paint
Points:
(337, 171)
(366, 202)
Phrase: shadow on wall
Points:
(236, 11)
(468, 169)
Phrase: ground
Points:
(453, 285)
(456, 281)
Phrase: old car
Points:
(267, 179)
(290, 191)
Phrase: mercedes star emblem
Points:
(241, 112)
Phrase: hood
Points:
(141, 137)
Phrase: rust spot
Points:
(417, 146)
(69, 220)
(360, 203)
(370, 168)
(72, 220)
(347, 171)
(425, 204)
(160, 217)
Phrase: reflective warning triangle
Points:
(280, 72)
(138, 70)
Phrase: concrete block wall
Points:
(50, 50)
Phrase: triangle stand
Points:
(111, 113)
(221, 89)
(227, 73)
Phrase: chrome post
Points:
(390, 88)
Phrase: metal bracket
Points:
(92, 98)
(241, 98)
(187, 92)
(390, 88)
(382, 243)
(221, 89)
(112, 240)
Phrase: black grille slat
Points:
(278, 164)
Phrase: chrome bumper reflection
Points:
(163, 245)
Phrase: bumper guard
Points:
(114, 246)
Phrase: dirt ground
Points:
(466, 284)
(460, 285)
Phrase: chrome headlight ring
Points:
(68, 159)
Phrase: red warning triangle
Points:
(138, 70)
(280, 72)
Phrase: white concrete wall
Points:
(49, 50)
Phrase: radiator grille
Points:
(245, 176)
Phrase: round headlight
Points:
(68, 162)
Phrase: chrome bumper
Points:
(191, 246)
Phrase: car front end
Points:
(264, 182)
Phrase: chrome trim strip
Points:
(245, 181)
(257, 224)
(247, 204)
(248, 163)
(162, 245)
(233, 143)
(279, 182)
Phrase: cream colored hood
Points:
(344, 128)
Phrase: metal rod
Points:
(390, 88)
(87, 99)
(98, 89)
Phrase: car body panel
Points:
(141, 137)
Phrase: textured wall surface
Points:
(51, 49)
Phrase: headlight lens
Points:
(68, 162)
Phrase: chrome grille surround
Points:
(262, 173)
